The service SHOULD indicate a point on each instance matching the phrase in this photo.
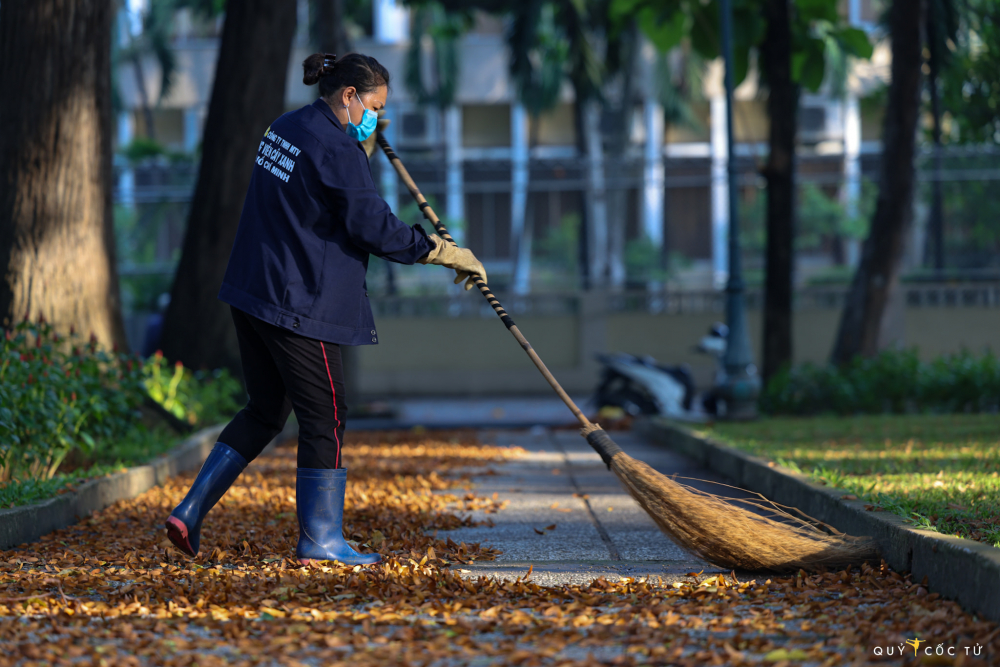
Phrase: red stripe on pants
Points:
(334, 393)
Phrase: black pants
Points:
(285, 371)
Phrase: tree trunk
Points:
(936, 236)
(594, 218)
(56, 236)
(782, 108)
(140, 85)
(586, 244)
(248, 93)
(861, 320)
(617, 197)
(329, 30)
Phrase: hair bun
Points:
(317, 66)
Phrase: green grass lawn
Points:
(940, 472)
(141, 446)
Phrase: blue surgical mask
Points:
(369, 120)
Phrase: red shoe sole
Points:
(178, 534)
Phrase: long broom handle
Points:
(442, 231)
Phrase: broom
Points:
(760, 537)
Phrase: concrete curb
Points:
(21, 525)
(963, 570)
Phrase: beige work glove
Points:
(461, 259)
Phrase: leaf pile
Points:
(111, 591)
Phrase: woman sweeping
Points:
(296, 287)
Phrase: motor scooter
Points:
(640, 385)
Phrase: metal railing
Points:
(674, 301)
(943, 295)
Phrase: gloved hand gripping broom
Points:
(719, 531)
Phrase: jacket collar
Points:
(325, 109)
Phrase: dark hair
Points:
(355, 69)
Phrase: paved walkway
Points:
(599, 530)
(486, 412)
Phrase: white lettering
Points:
(286, 163)
(273, 160)
(277, 172)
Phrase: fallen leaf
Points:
(784, 654)
(108, 588)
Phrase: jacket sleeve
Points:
(370, 224)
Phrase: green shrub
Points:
(57, 396)
(894, 381)
(141, 148)
(60, 396)
(202, 397)
(559, 248)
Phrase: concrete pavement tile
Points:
(635, 536)
(539, 493)
(515, 528)
(581, 573)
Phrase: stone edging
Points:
(959, 569)
(20, 525)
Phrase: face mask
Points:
(369, 120)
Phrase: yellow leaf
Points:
(276, 613)
(784, 654)
(490, 613)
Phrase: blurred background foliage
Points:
(894, 381)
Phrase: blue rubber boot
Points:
(319, 498)
(217, 474)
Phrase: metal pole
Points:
(742, 384)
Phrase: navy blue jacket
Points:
(311, 218)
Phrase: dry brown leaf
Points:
(106, 591)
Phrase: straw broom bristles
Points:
(723, 533)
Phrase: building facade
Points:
(513, 185)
